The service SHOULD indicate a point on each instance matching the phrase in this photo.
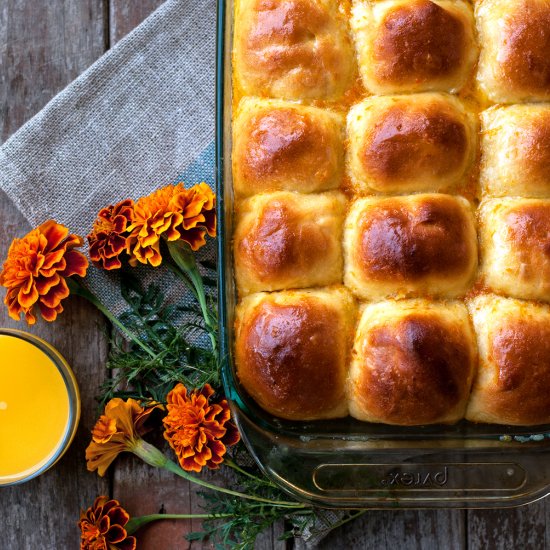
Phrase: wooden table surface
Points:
(44, 45)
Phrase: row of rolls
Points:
(391, 240)
(425, 244)
(316, 354)
(411, 143)
(315, 49)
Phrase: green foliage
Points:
(182, 351)
(244, 519)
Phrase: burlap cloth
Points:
(140, 117)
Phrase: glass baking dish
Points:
(347, 463)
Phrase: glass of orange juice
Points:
(39, 406)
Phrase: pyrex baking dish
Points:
(347, 463)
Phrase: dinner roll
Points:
(292, 350)
(515, 147)
(515, 247)
(414, 45)
(287, 240)
(278, 145)
(514, 64)
(413, 363)
(408, 143)
(292, 49)
(410, 246)
(513, 378)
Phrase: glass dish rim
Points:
(526, 446)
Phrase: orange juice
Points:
(38, 406)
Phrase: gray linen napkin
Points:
(141, 117)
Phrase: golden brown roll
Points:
(511, 386)
(292, 49)
(514, 64)
(288, 240)
(413, 363)
(410, 246)
(278, 145)
(515, 247)
(414, 45)
(292, 350)
(408, 143)
(515, 146)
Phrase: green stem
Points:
(80, 290)
(136, 523)
(185, 260)
(237, 468)
(174, 468)
(151, 455)
(178, 273)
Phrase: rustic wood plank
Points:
(376, 529)
(524, 527)
(127, 14)
(43, 46)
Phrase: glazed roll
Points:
(287, 240)
(292, 351)
(515, 147)
(515, 247)
(514, 63)
(511, 386)
(414, 45)
(410, 143)
(413, 363)
(279, 145)
(292, 49)
(410, 246)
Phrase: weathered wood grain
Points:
(524, 528)
(127, 14)
(43, 46)
(376, 529)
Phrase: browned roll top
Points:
(289, 35)
(291, 358)
(408, 139)
(525, 48)
(521, 352)
(534, 149)
(282, 242)
(419, 41)
(286, 142)
(419, 369)
(408, 243)
(529, 230)
(293, 22)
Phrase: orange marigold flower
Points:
(107, 239)
(173, 213)
(197, 430)
(116, 431)
(102, 526)
(36, 268)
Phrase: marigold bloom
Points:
(116, 431)
(102, 526)
(172, 212)
(107, 239)
(197, 430)
(36, 268)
